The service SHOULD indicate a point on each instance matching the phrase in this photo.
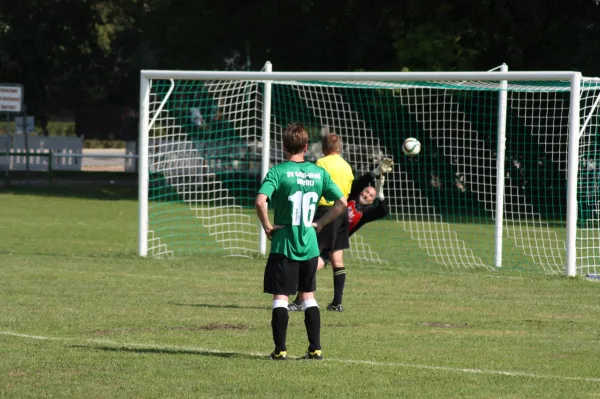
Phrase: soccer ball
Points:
(411, 146)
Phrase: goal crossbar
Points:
(374, 76)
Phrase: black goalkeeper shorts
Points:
(284, 276)
(335, 235)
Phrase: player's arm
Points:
(335, 210)
(375, 212)
(383, 208)
(331, 192)
(266, 189)
(380, 210)
(384, 167)
(262, 211)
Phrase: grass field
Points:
(451, 242)
(83, 316)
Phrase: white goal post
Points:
(502, 180)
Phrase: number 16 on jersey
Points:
(303, 207)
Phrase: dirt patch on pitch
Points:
(444, 325)
(208, 327)
(222, 327)
(341, 325)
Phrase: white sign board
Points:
(11, 98)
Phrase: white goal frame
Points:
(267, 76)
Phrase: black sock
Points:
(279, 324)
(339, 280)
(298, 301)
(312, 321)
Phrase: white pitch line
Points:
(463, 370)
(23, 335)
(350, 361)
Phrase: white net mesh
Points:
(205, 154)
(588, 234)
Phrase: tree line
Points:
(68, 52)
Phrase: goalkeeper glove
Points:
(379, 188)
(384, 166)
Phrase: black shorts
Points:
(284, 276)
(335, 235)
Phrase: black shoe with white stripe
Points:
(335, 308)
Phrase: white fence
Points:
(63, 154)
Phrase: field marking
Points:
(259, 354)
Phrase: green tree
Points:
(50, 47)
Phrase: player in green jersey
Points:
(294, 189)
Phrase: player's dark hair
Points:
(331, 143)
(295, 138)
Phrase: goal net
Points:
(488, 146)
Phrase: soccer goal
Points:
(508, 176)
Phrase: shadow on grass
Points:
(210, 305)
(174, 351)
(99, 191)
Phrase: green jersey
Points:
(294, 189)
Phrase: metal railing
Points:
(54, 159)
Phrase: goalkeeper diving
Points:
(362, 207)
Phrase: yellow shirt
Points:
(341, 174)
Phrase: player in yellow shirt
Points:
(334, 237)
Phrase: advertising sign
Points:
(11, 98)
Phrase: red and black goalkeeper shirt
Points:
(359, 215)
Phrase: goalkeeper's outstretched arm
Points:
(384, 166)
(379, 188)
